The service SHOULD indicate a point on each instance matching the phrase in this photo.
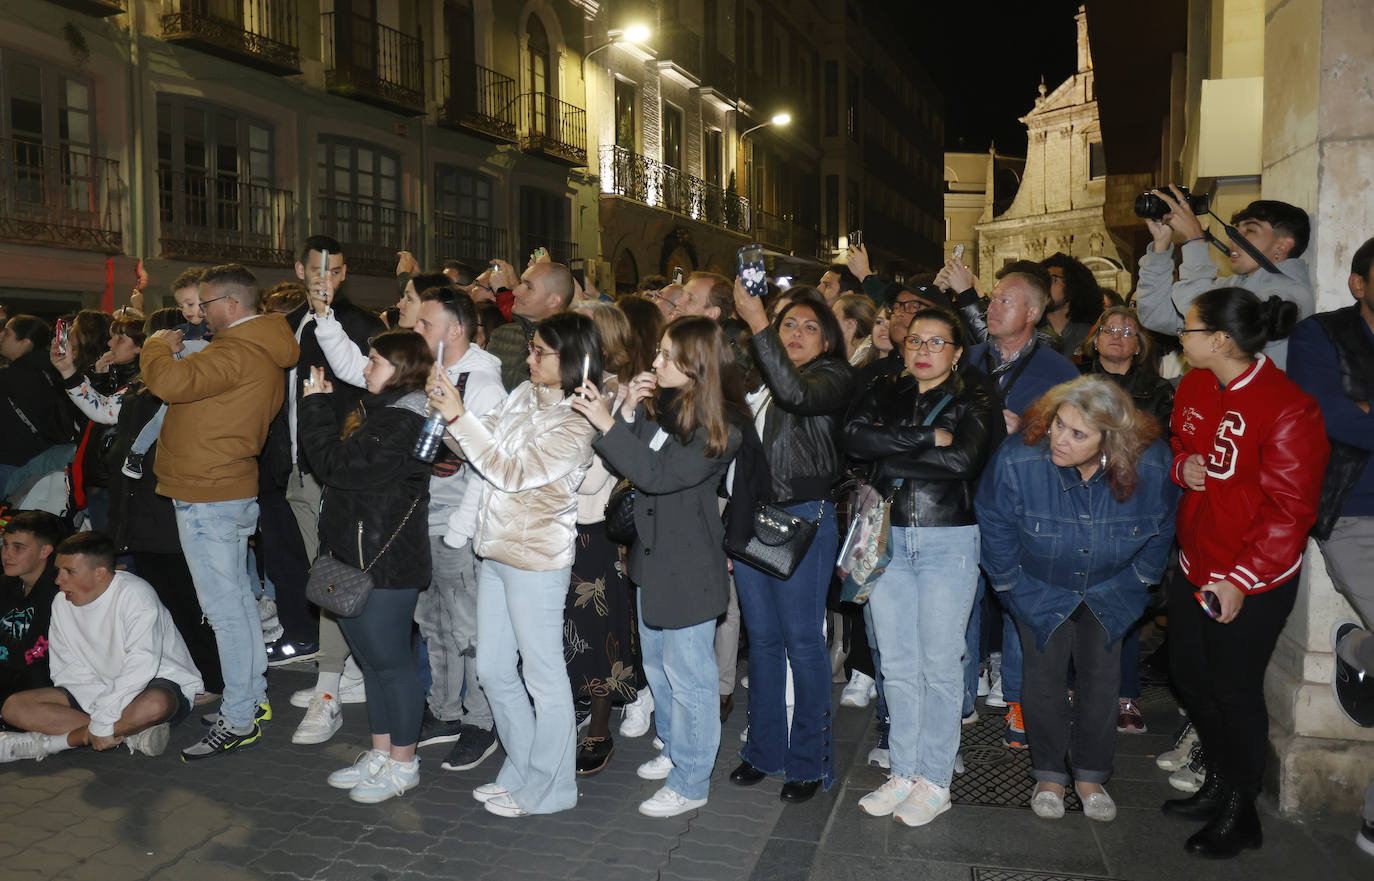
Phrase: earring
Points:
(1104, 461)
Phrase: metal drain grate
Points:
(995, 775)
(983, 873)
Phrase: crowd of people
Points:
(567, 502)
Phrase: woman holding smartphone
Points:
(1250, 451)
(676, 458)
(532, 453)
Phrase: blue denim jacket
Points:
(1053, 541)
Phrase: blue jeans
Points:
(380, 641)
(784, 620)
(520, 617)
(920, 609)
(147, 435)
(1012, 659)
(879, 705)
(680, 666)
(214, 536)
(974, 647)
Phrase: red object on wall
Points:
(107, 298)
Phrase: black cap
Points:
(927, 292)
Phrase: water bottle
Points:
(431, 435)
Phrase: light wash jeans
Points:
(680, 666)
(520, 617)
(214, 536)
(447, 615)
(921, 608)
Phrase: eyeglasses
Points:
(539, 354)
(935, 345)
(1123, 332)
(1187, 330)
(655, 295)
(204, 303)
(910, 307)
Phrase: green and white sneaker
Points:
(221, 739)
(263, 713)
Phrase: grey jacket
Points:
(678, 558)
(1161, 302)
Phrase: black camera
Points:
(1148, 206)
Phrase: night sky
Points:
(987, 59)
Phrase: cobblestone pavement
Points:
(267, 813)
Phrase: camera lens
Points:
(1148, 206)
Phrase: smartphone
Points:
(324, 268)
(677, 276)
(537, 254)
(959, 251)
(63, 328)
(856, 238)
(749, 262)
(1209, 602)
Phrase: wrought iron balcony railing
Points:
(475, 99)
(59, 196)
(785, 234)
(560, 251)
(552, 128)
(475, 243)
(259, 33)
(373, 63)
(650, 182)
(224, 220)
(370, 233)
(97, 8)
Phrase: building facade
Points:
(978, 186)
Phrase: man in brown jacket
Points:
(220, 403)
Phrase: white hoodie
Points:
(453, 500)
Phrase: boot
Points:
(1235, 827)
(1203, 804)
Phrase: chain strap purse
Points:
(341, 588)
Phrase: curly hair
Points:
(1105, 407)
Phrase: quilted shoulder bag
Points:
(779, 542)
(620, 514)
(343, 589)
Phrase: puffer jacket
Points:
(370, 479)
(938, 483)
(532, 453)
(801, 431)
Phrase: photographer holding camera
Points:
(1279, 231)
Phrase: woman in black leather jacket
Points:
(374, 487)
(799, 411)
(929, 434)
(1119, 348)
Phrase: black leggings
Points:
(380, 641)
(171, 581)
(1218, 672)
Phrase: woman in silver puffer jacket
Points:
(532, 452)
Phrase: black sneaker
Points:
(1354, 690)
(262, 714)
(284, 651)
(435, 730)
(472, 749)
(133, 466)
(220, 740)
(593, 753)
(1365, 838)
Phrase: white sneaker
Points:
(971, 718)
(880, 757)
(925, 804)
(666, 803)
(744, 734)
(16, 745)
(392, 779)
(271, 623)
(351, 688)
(488, 791)
(658, 743)
(504, 806)
(994, 698)
(367, 764)
(744, 681)
(323, 719)
(984, 683)
(150, 741)
(1190, 777)
(1178, 756)
(861, 689)
(882, 801)
(656, 768)
(637, 715)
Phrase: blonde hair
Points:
(615, 332)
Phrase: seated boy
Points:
(121, 671)
(26, 594)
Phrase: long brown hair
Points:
(614, 328)
(1105, 407)
(702, 352)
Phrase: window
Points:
(359, 189)
(832, 98)
(544, 220)
(713, 150)
(47, 114)
(463, 227)
(538, 73)
(214, 171)
(1097, 160)
(832, 204)
(853, 107)
(626, 100)
(672, 136)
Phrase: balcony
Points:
(650, 182)
(552, 128)
(259, 33)
(784, 234)
(373, 63)
(720, 73)
(560, 251)
(370, 233)
(478, 101)
(59, 197)
(212, 219)
(680, 51)
(96, 8)
(475, 243)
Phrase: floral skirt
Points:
(600, 639)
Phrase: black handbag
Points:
(779, 542)
(620, 514)
(341, 588)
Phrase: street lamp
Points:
(637, 33)
(779, 119)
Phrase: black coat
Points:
(360, 326)
(801, 432)
(1149, 392)
(370, 480)
(35, 412)
(938, 483)
(141, 521)
(678, 558)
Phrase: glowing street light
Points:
(779, 119)
(635, 33)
